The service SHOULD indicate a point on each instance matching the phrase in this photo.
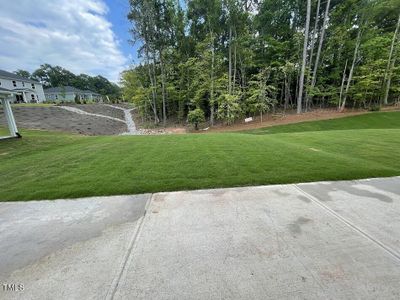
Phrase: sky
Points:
(83, 36)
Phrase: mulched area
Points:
(288, 118)
(55, 118)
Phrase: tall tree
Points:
(321, 42)
(391, 62)
(353, 64)
(304, 59)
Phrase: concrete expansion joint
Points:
(128, 256)
(386, 248)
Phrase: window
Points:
(56, 97)
(14, 83)
(0, 83)
(33, 86)
(23, 84)
(33, 97)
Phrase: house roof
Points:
(91, 92)
(22, 90)
(68, 89)
(8, 75)
(63, 89)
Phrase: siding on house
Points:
(69, 94)
(24, 89)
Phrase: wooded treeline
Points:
(56, 76)
(228, 59)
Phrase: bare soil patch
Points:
(55, 118)
(102, 110)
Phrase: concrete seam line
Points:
(389, 250)
(114, 286)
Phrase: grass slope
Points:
(366, 121)
(46, 165)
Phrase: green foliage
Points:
(229, 108)
(77, 100)
(55, 76)
(260, 93)
(212, 54)
(375, 108)
(195, 117)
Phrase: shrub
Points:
(77, 101)
(195, 117)
(375, 108)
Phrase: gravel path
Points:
(128, 119)
(82, 112)
(101, 109)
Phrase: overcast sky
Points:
(83, 36)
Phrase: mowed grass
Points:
(48, 165)
(32, 104)
(365, 121)
(4, 131)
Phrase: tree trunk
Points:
(234, 65)
(313, 34)
(212, 82)
(303, 66)
(391, 63)
(310, 61)
(358, 42)
(163, 90)
(153, 65)
(230, 62)
(153, 88)
(342, 86)
(321, 42)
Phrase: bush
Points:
(375, 108)
(77, 100)
(195, 117)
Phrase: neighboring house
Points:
(70, 94)
(23, 90)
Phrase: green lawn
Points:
(47, 165)
(4, 132)
(32, 104)
(365, 121)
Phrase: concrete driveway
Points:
(337, 240)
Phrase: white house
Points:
(23, 90)
(70, 94)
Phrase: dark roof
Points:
(9, 75)
(91, 92)
(68, 89)
(22, 90)
(63, 89)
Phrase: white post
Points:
(10, 118)
(24, 97)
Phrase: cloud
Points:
(74, 34)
